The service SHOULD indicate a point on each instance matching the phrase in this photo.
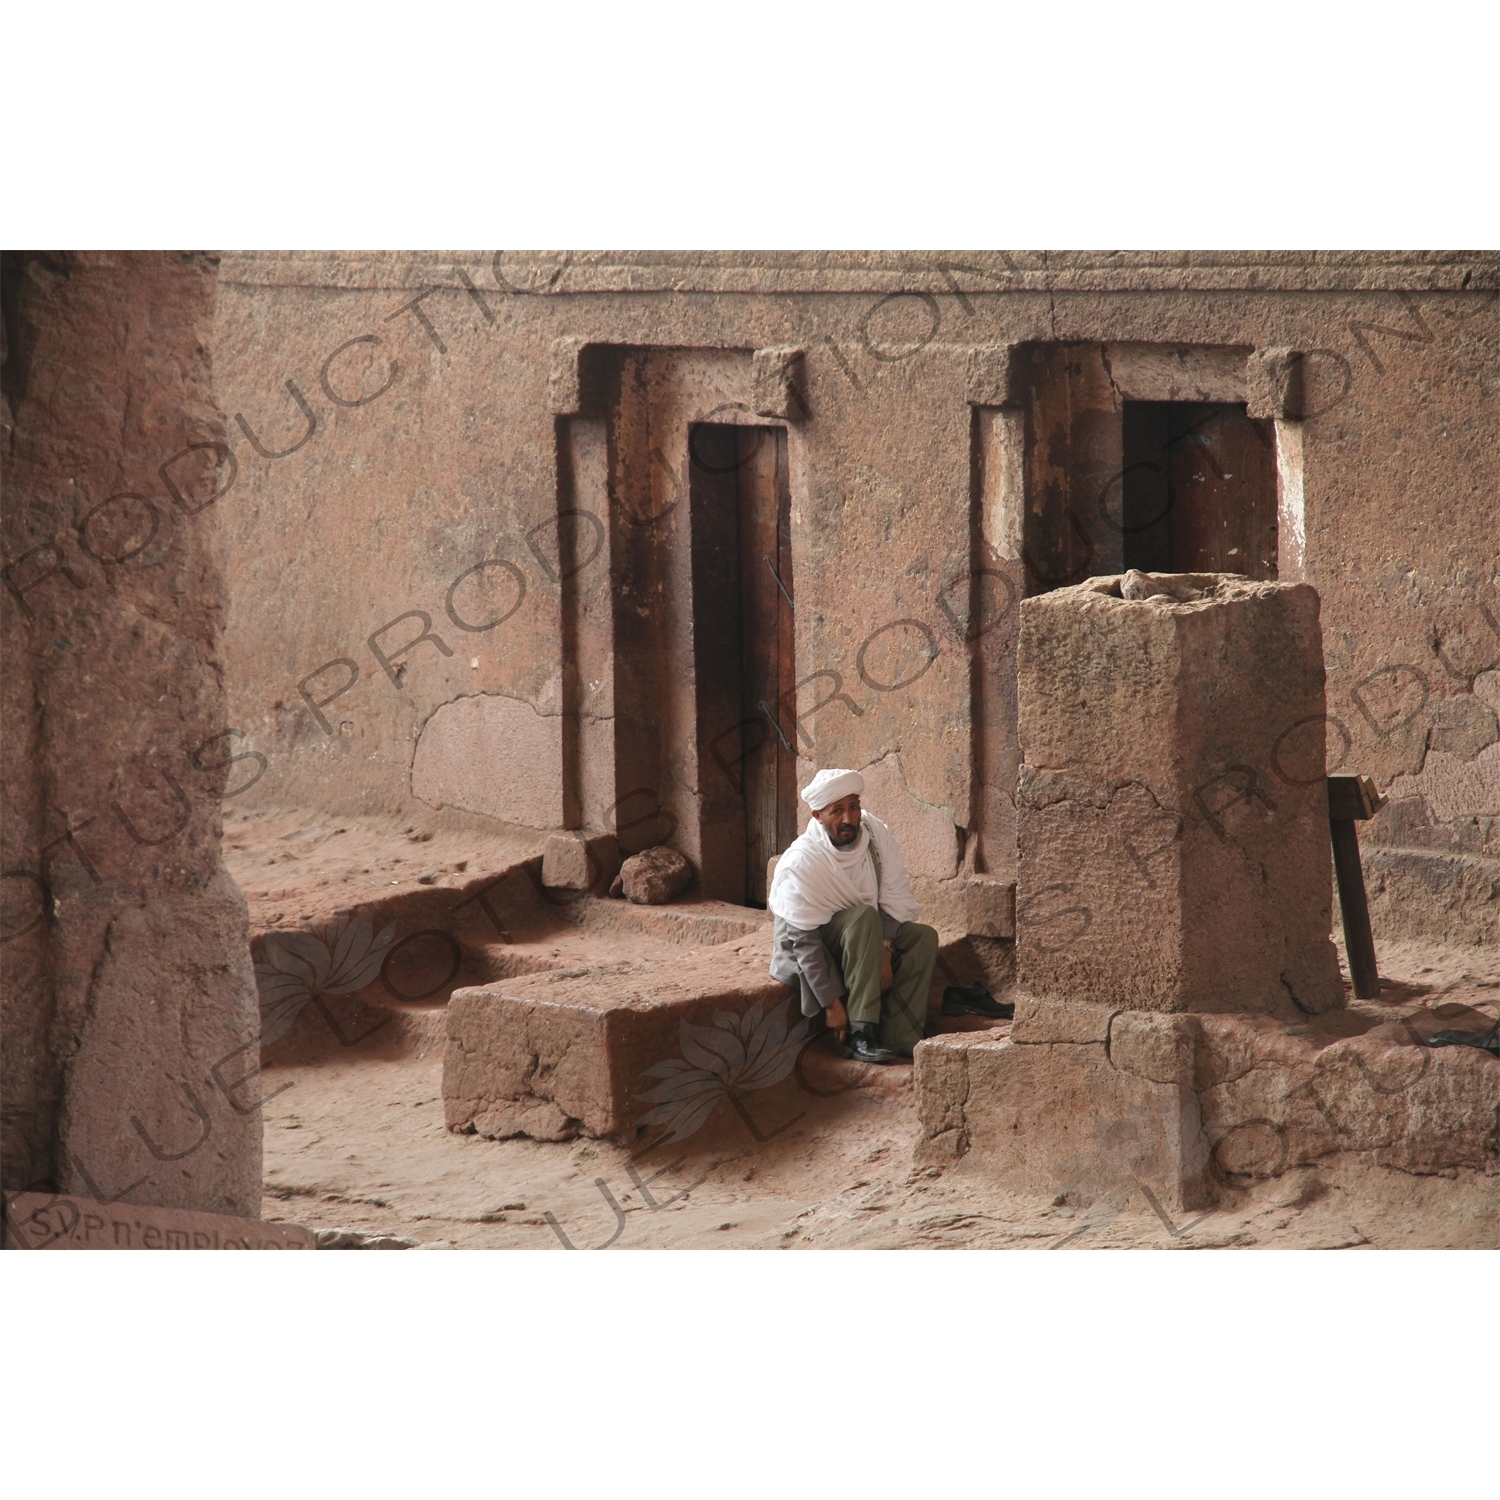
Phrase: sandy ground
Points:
(297, 867)
(824, 1160)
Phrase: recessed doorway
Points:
(744, 654)
(1198, 491)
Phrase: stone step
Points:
(427, 942)
(1089, 1100)
(557, 1055)
(568, 1053)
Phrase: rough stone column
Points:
(1172, 811)
(129, 1011)
(1174, 861)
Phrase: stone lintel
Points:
(775, 384)
(1273, 385)
(565, 383)
(995, 376)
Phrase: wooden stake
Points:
(1352, 798)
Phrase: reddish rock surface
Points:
(572, 862)
(569, 1051)
(53, 1221)
(655, 876)
(1180, 1028)
(127, 977)
(1174, 845)
(825, 1160)
(1090, 1100)
(463, 616)
(557, 1055)
(959, 447)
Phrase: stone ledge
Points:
(560, 1054)
(974, 905)
(567, 1053)
(1419, 893)
(1198, 1107)
(1159, 1049)
(1039, 1021)
(873, 272)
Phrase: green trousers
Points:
(852, 937)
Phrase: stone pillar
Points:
(131, 1032)
(1174, 891)
(1172, 811)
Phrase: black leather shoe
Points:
(864, 1046)
(976, 1001)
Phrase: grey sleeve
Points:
(889, 926)
(812, 958)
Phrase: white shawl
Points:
(814, 879)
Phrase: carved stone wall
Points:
(417, 508)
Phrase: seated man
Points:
(845, 932)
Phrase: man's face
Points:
(841, 820)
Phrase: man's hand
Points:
(887, 974)
(837, 1019)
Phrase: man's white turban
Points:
(829, 786)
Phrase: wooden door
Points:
(744, 655)
(768, 651)
(1199, 490)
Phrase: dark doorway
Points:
(744, 654)
(1198, 493)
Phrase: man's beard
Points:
(845, 834)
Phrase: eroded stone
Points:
(1172, 817)
(1197, 1108)
(573, 862)
(655, 876)
(556, 1055)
